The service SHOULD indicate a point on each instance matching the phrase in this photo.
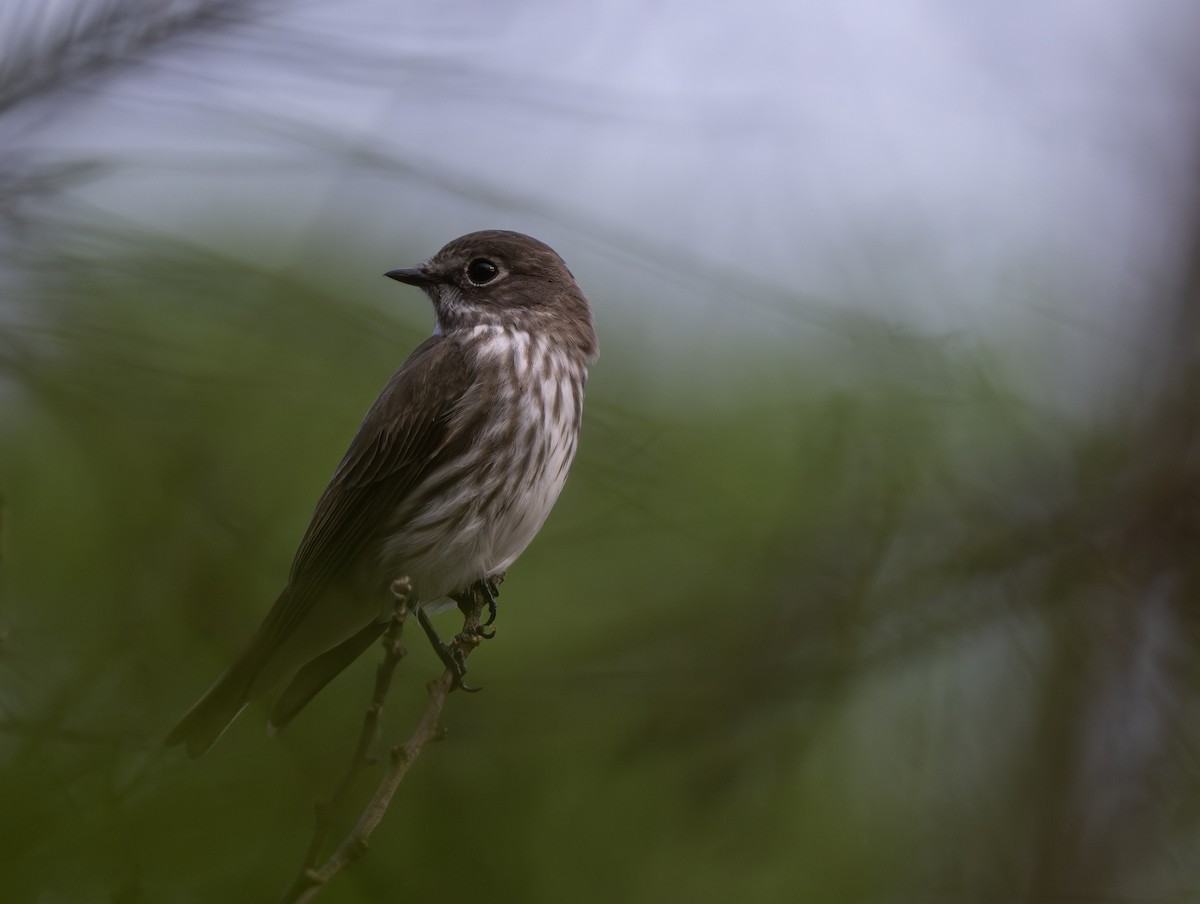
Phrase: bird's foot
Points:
(471, 603)
(490, 588)
(472, 600)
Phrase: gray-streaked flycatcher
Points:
(448, 479)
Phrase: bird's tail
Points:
(279, 647)
(211, 715)
(254, 668)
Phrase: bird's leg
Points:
(450, 654)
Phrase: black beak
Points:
(414, 276)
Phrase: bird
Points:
(447, 480)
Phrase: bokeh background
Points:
(875, 579)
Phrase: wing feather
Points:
(411, 427)
(404, 434)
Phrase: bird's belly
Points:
(482, 541)
(449, 543)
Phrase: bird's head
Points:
(505, 279)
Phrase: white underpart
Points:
(442, 554)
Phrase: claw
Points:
(469, 598)
(469, 603)
(490, 590)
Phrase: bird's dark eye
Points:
(482, 271)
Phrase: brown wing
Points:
(406, 432)
(413, 425)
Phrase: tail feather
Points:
(279, 647)
(211, 715)
(253, 671)
(308, 682)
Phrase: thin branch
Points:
(393, 652)
(310, 879)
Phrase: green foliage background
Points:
(845, 618)
(895, 637)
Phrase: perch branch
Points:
(311, 879)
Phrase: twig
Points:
(310, 879)
(393, 652)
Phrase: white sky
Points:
(956, 165)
